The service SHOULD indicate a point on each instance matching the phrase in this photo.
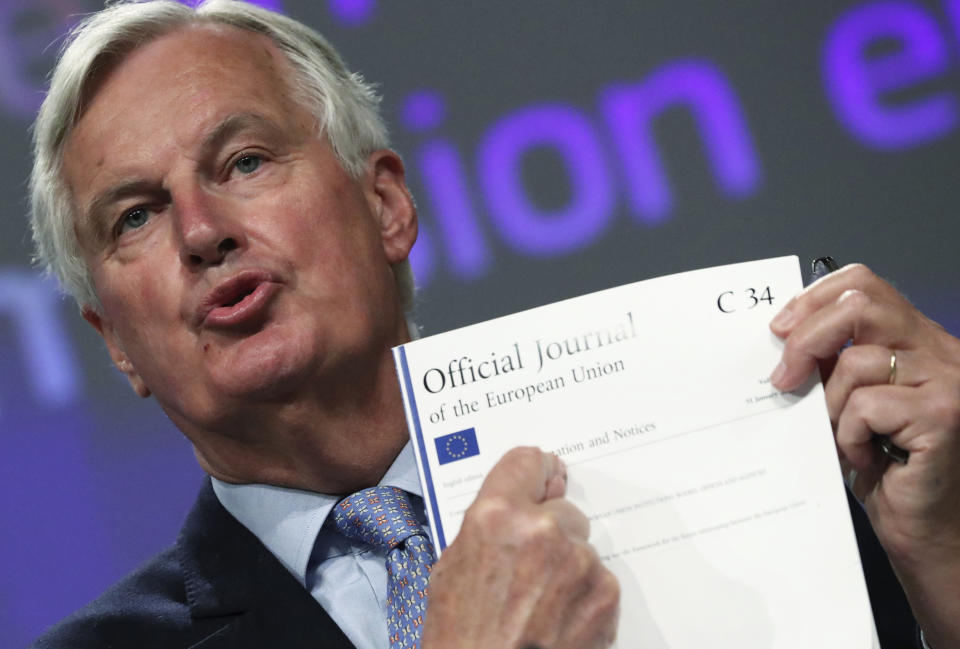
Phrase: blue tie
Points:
(382, 517)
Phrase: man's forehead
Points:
(195, 61)
(186, 70)
(186, 91)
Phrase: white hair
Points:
(346, 107)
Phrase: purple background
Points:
(554, 148)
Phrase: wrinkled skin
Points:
(521, 572)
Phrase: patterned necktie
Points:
(382, 517)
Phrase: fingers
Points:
(568, 518)
(879, 409)
(557, 485)
(863, 483)
(536, 477)
(852, 304)
(521, 569)
(864, 365)
(855, 316)
(883, 409)
(595, 618)
(526, 473)
(828, 290)
(544, 527)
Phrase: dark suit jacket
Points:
(217, 586)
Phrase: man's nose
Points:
(206, 229)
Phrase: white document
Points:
(716, 500)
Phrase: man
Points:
(235, 230)
(213, 187)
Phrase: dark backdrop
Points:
(554, 148)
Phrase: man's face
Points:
(235, 260)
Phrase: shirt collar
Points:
(287, 521)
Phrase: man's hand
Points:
(913, 507)
(520, 572)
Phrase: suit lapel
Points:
(241, 592)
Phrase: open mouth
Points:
(241, 300)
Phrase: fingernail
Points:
(784, 319)
(778, 373)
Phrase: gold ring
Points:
(893, 367)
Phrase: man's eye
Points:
(248, 164)
(133, 219)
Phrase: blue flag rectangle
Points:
(457, 446)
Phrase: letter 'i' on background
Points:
(444, 179)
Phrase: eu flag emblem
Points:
(457, 446)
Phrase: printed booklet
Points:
(716, 500)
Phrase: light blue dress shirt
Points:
(347, 578)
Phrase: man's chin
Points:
(267, 366)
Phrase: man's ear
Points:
(392, 204)
(117, 355)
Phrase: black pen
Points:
(818, 268)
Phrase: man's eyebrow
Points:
(233, 124)
(94, 214)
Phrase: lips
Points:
(241, 300)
